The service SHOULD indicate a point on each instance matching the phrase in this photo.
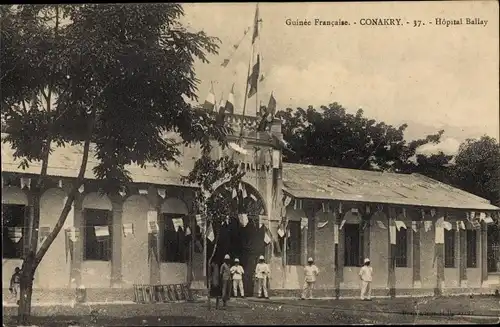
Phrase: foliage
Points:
(477, 168)
(114, 76)
(332, 137)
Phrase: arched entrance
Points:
(243, 242)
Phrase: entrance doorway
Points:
(245, 243)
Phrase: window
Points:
(449, 248)
(12, 230)
(352, 245)
(174, 247)
(401, 254)
(294, 244)
(471, 243)
(493, 250)
(98, 234)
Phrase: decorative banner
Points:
(427, 225)
(460, 225)
(210, 233)
(439, 222)
(267, 236)
(482, 215)
(15, 234)
(422, 212)
(81, 189)
(178, 223)
(43, 233)
(400, 224)
(342, 224)
(200, 222)
(447, 225)
(276, 159)
(304, 222)
(354, 211)
(162, 192)
(73, 234)
(433, 212)
(368, 209)
(101, 231)
(297, 204)
(243, 218)
(439, 233)
(152, 221)
(404, 212)
(381, 224)
(392, 234)
(25, 181)
(263, 220)
(188, 231)
(234, 193)
(60, 183)
(414, 226)
(323, 224)
(253, 197)
(281, 232)
(287, 200)
(336, 233)
(128, 229)
(143, 191)
(488, 220)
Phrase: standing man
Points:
(310, 274)
(262, 274)
(237, 273)
(225, 272)
(366, 276)
(15, 284)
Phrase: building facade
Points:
(149, 234)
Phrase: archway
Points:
(243, 242)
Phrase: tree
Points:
(215, 206)
(116, 76)
(333, 137)
(477, 168)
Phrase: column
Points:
(116, 259)
(462, 236)
(417, 280)
(365, 232)
(192, 227)
(484, 255)
(391, 262)
(78, 246)
(311, 230)
(439, 254)
(154, 248)
(339, 253)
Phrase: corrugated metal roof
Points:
(65, 162)
(320, 182)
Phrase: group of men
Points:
(221, 279)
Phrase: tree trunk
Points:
(26, 289)
(209, 284)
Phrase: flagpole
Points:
(246, 89)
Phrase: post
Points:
(462, 234)
(391, 276)
(417, 282)
(339, 252)
(439, 257)
(484, 254)
(116, 257)
(78, 245)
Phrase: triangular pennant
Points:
(267, 237)
(447, 225)
(323, 224)
(234, 193)
(15, 234)
(287, 200)
(210, 233)
(400, 224)
(304, 222)
(342, 224)
(188, 231)
(414, 226)
(281, 232)
(488, 220)
(381, 224)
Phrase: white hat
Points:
(310, 259)
(367, 260)
(236, 260)
(261, 257)
(226, 257)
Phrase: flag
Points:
(447, 225)
(178, 223)
(210, 100)
(268, 114)
(188, 231)
(234, 193)
(210, 233)
(281, 232)
(229, 108)
(400, 224)
(303, 223)
(488, 220)
(256, 25)
(381, 224)
(101, 231)
(15, 234)
(267, 236)
(253, 79)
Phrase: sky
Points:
(431, 77)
